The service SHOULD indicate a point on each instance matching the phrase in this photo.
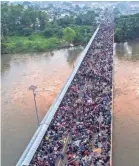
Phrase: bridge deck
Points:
(36, 139)
(96, 59)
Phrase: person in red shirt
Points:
(70, 156)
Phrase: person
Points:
(62, 156)
(85, 111)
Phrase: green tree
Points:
(10, 18)
(48, 32)
(29, 18)
(43, 19)
(69, 34)
(53, 30)
(126, 28)
(32, 29)
(86, 19)
(66, 21)
(27, 31)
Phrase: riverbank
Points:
(33, 43)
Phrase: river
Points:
(46, 70)
(126, 105)
(49, 71)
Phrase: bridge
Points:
(76, 130)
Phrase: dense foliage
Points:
(32, 29)
(69, 34)
(127, 28)
(28, 29)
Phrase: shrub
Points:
(69, 34)
(48, 32)
(27, 31)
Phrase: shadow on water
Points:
(127, 50)
(73, 54)
(5, 65)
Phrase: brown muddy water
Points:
(126, 105)
(49, 71)
(46, 70)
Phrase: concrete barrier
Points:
(30, 150)
(112, 107)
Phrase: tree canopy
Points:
(69, 34)
(15, 18)
(127, 28)
(27, 28)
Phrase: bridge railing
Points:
(34, 143)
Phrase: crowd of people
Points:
(80, 132)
